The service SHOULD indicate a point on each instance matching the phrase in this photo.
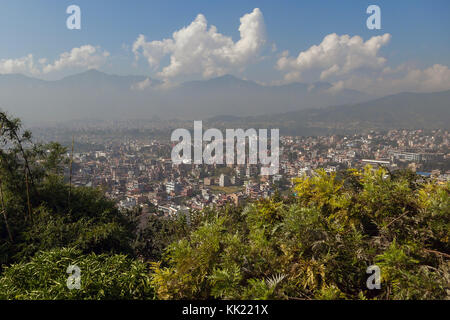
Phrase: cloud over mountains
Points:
(88, 57)
(352, 63)
(335, 56)
(84, 57)
(199, 49)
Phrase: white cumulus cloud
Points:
(334, 56)
(142, 85)
(199, 49)
(85, 57)
(352, 63)
(402, 78)
(434, 78)
(20, 65)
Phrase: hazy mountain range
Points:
(296, 108)
(399, 111)
(93, 94)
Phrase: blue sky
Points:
(419, 30)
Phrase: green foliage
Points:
(157, 234)
(102, 277)
(319, 246)
(92, 223)
(41, 212)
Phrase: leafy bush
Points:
(102, 277)
(319, 246)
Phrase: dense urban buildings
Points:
(138, 171)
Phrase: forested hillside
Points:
(315, 244)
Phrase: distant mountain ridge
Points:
(94, 94)
(405, 110)
(296, 107)
(399, 111)
(95, 78)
